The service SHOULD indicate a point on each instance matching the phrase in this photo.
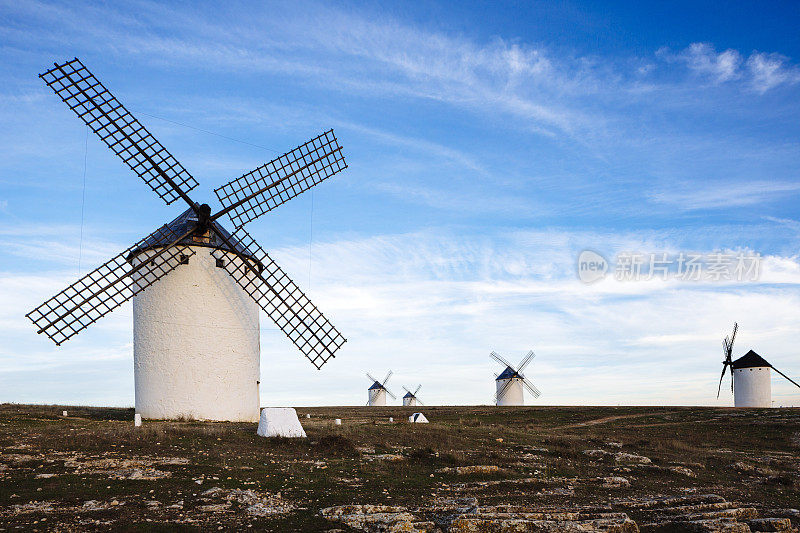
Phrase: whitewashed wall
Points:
(752, 387)
(377, 396)
(513, 395)
(196, 345)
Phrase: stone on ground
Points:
(280, 422)
(418, 418)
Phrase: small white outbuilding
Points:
(418, 418)
(280, 422)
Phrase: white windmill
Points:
(511, 382)
(751, 382)
(410, 399)
(196, 288)
(376, 393)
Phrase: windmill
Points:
(751, 382)
(410, 399)
(727, 350)
(196, 287)
(510, 382)
(376, 393)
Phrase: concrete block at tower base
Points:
(280, 422)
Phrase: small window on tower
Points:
(220, 263)
(184, 259)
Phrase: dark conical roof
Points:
(376, 385)
(184, 223)
(408, 395)
(750, 360)
(508, 373)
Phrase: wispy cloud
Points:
(691, 197)
(770, 70)
(436, 298)
(761, 71)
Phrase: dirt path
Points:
(603, 420)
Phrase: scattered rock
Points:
(630, 458)
(614, 482)
(377, 518)
(596, 453)
(466, 516)
(474, 469)
(386, 457)
(702, 513)
(681, 470)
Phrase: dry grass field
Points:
(470, 469)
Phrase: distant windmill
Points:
(510, 382)
(410, 399)
(751, 382)
(377, 391)
(196, 287)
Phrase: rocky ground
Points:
(471, 469)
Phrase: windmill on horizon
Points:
(510, 383)
(411, 399)
(751, 383)
(376, 393)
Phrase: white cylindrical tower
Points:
(409, 400)
(196, 343)
(377, 396)
(513, 394)
(752, 386)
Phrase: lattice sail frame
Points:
(121, 131)
(282, 179)
(531, 388)
(282, 300)
(109, 286)
(499, 394)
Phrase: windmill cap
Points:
(508, 373)
(750, 360)
(184, 223)
(408, 395)
(375, 385)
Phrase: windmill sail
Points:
(499, 394)
(109, 286)
(113, 123)
(727, 351)
(265, 188)
(283, 301)
(787, 377)
(246, 198)
(500, 359)
(531, 388)
(525, 361)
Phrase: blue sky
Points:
(488, 145)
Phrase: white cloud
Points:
(770, 70)
(431, 305)
(703, 59)
(761, 71)
(721, 195)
